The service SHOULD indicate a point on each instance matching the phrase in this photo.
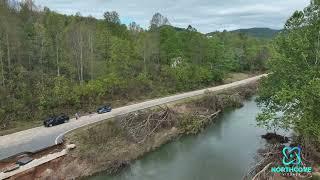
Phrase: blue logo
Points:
(291, 156)
(292, 162)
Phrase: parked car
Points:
(104, 109)
(56, 120)
(23, 161)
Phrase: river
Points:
(225, 150)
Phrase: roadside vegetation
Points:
(51, 63)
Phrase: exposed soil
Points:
(36, 155)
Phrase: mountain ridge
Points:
(258, 32)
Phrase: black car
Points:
(56, 120)
(104, 109)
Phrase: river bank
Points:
(224, 150)
(110, 146)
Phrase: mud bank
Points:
(114, 144)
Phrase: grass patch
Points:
(17, 126)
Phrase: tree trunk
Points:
(78, 69)
(8, 53)
(76, 47)
(317, 49)
(57, 56)
(2, 69)
(41, 58)
(144, 57)
(29, 62)
(81, 59)
(91, 56)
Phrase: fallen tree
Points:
(143, 124)
(140, 125)
(270, 156)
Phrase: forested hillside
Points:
(265, 33)
(259, 32)
(51, 63)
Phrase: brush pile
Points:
(143, 124)
(269, 157)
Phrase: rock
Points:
(71, 146)
(47, 174)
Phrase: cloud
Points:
(205, 15)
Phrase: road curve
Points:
(38, 138)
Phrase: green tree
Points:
(290, 95)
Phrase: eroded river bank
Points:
(225, 150)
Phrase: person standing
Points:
(77, 116)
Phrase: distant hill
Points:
(259, 32)
(175, 28)
(266, 33)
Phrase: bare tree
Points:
(317, 49)
(81, 56)
(91, 42)
(2, 68)
(76, 35)
(112, 17)
(158, 20)
(57, 55)
(8, 51)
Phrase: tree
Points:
(135, 28)
(190, 28)
(112, 17)
(290, 95)
(158, 20)
(3, 79)
(54, 26)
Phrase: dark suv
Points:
(104, 109)
(56, 120)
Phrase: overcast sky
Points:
(204, 15)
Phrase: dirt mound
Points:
(275, 138)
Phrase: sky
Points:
(205, 15)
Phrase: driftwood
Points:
(143, 124)
(263, 171)
(268, 157)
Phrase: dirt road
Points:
(40, 137)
